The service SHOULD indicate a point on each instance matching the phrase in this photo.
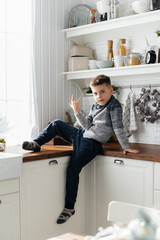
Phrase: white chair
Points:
(124, 212)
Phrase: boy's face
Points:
(102, 93)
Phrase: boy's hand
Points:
(130, 150)
(74, 104)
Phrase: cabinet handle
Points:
(52, 162)
(0, 201)
(117, 161)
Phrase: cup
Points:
(118, 60)
(126, 59)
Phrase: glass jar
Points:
(114, 9)
(92, 15)
(122, 47)
(135, 59)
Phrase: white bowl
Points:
(104, 64)
(140, 6)
(92, 64)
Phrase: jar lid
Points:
(110, 43)
(92, 10)
(123, 41)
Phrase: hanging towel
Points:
(129, 116)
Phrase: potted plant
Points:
(158, 33)
(158, 37)
(89, 91)
(115, 91)
(2, 144)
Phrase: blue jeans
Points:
(84, 150)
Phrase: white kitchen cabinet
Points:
(42, 188)
(120, 179)
(9, 210)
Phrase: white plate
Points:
(80, 13)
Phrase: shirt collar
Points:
(98, 106)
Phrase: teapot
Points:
(135, 59)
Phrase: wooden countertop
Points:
(148, 152)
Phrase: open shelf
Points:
(147, 71)
(124, 26)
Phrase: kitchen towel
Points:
(129, 116)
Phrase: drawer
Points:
(157, 176)
(9, 186)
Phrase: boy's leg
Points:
(56, 127)
(84, 151)
(82, 154)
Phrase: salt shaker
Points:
(110, 51)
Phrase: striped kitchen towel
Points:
(129, 116)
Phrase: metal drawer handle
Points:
(0, 201)
(117, 161)
(52, 162)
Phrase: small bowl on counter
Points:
(104, 64)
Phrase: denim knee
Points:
(56, 122)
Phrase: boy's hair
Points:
(100, 79)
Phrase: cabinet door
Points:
(9, 217)
(157, 176)
(42, 200)
(123, 180)
(157, 185)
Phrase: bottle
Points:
(108, 10)
(122, 48)
(110, 50)
(116, 9)
(92, 15)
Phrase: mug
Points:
(118, 60)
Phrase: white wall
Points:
(52, 50)
(147, 132)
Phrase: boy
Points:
(104, 119)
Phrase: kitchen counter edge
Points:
(148, 152)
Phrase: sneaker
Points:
(65, 215)
(31, 146)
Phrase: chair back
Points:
(122, 212)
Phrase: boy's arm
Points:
(116, 118)
(130, 150)
(74, 104)
(85, 122)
